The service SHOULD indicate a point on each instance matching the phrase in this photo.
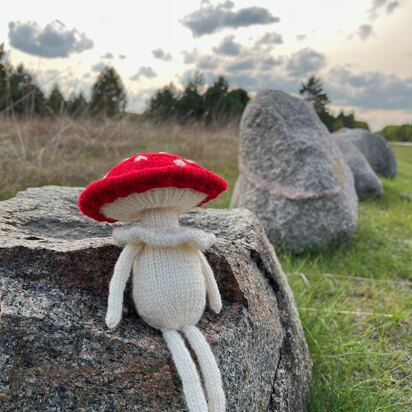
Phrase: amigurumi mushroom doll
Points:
(171, 276)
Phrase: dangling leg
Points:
(210, 371)
(186, 368)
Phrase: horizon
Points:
(361, 50)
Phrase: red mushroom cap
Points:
(145, 171)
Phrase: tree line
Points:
(312, 91)
(20, 95)
(216, 103)
(401, 133)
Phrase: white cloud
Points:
(304, 62)
(365, 31)
(269, 40)
(52, 40)
(108, 56)
(162, 55)
(389, 6)
(98, 67)
(228, 47)
(369, 90)
(147, 72)
(210, 19)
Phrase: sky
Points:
(360, 49)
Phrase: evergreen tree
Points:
(190, 106)
(163, 105)
(3, 79)
(233, 105)
(313, 92)
(55, 101)
(77, 106)
(214, 97)
(215, 104)
(26, 98)
(108, 94)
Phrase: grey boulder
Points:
(292, 175)
(56, 353)
(374, 147)
(367, 183)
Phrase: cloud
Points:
(52, 40)
(377, 5)
(392, 6)
(98, 67)
(107, 56)
(271, 62)
(210, 19)
(248, 82)
(269, 39)
(137, 100)
(162, 55)
(365, 31)
(189, 57)
(143, 72)
(301, 37)
(207, 62)
(122, 56)
(228, 47)
(305, 61)
(241, 65)
(369, 90)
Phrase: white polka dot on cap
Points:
(179, 162)
(139, 158)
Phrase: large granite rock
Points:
(367, 183)
(374, 147)
(292, 175)
(56, 353)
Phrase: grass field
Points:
(354, 301)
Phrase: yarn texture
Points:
(171, 276)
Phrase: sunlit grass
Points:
(356, 307)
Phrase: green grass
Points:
(355, 304)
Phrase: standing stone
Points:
(374, 147)
(56, 353)
(367, 183)
(292, 175)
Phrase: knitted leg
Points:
(210, 370)
(186, 368)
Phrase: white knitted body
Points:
(169, 287)
(171, 279)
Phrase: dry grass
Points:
(61, 151)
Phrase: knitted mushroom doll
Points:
(171, 276)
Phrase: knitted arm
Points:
(213, 294)
(121, 273)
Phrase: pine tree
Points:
(313, 92)
(77, 106)
(26, 98)
(108, 94)
(55, 101)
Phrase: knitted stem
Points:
(160, 217)
(186, 368)
(210, 371)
